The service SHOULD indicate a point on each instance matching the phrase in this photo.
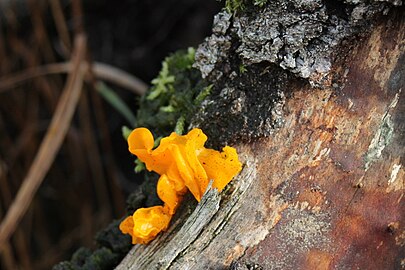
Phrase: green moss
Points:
(232, 6)
(101, 259)
(179, 128)
(77, 262)
(202, 95)
(176, 93)
(80, 256)
(242, 68)
(139, 166)
(64, 266)
(260, 3)
(162, 84)
(83, 259)
(113, 239)
(125, 132)
(112, 247)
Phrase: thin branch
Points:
(101, 71)
(50, 144)
(60, 23)
(119, 77)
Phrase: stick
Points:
(50, 144)
(100, 70)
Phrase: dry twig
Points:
(100, 70)
(50, 144)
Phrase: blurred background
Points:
(92, 173)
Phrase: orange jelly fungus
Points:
(183, 163)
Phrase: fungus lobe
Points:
(183, 163)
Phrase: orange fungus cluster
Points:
(183, 163)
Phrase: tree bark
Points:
(324, 187)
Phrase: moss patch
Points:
(232, 6)
(176, 94)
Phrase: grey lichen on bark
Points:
(254, 57)
(382, 137)
(299, 36)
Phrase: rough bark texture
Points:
(320, 125)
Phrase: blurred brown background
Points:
(88, 181)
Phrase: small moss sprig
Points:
(260, 3)
(233, 6)
(162, 84)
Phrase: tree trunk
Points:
(323, 179)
